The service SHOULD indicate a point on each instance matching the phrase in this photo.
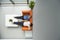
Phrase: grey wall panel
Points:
(46, 20)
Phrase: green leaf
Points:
(31, 4)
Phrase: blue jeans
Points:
(19, 23)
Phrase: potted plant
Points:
(10, 20)
(31, 4)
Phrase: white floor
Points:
(15, 39)
(15, 32)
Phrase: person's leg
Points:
(19, 17)
(19, 23)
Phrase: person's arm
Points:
(30, 16)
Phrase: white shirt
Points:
(27, 23)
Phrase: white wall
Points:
(8, 1)
(46, 20)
